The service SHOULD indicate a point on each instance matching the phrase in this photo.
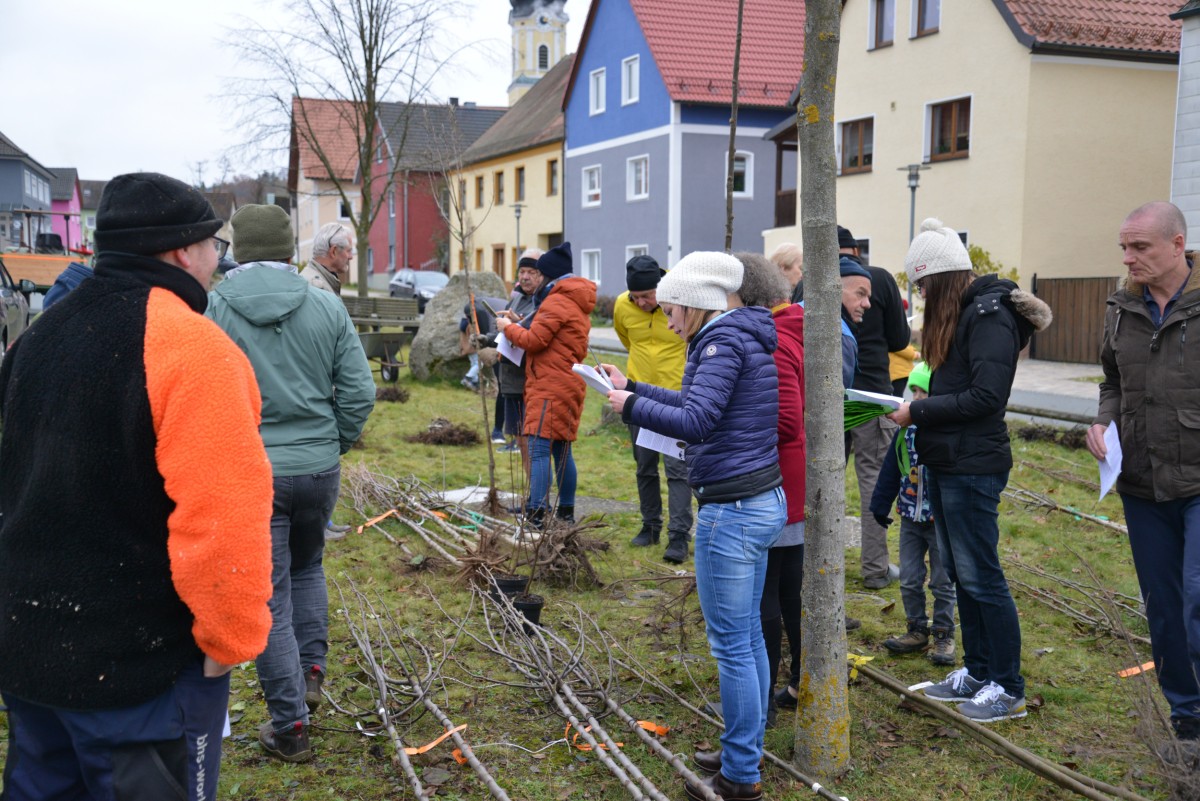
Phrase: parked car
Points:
(14, 298)
(419, 284)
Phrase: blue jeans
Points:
(540, 450)
(732, 540)
(1165, 540)
(167, 747)
(915, 540)
(965, 511)
(299, 602)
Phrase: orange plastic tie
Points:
(458, 756)
(653, 728)
(1133, 671)
(374, 520)
(427, 746)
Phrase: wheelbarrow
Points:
(385, 347)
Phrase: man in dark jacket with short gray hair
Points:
(1150, 381)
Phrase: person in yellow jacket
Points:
(656, 356)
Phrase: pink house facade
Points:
(65, 207)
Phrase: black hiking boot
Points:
(647, 536)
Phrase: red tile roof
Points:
(693, 42)
(1139, 27)
(332, 124)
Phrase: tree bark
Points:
(822, 736)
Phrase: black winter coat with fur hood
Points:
(960, 426)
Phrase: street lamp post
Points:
(914, 180)
(517, 214)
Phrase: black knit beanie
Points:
(846, 239)
(555, 262)
(642, 273)
(148, 213)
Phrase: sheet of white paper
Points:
(657, 442)
(1110, 468)
(594, 378)
(508, 350)
(890, 401)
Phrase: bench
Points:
(375, 313)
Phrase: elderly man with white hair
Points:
(333, 250)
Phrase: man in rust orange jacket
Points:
(135, 561)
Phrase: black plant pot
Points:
(508, 584)
(530, 606)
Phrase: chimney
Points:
(454, 101)
(470, 104)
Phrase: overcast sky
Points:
(129, 85)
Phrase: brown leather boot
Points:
(915, 639)
(290, 746)
(730, 791)
(710, 761)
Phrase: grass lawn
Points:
(1084, 715)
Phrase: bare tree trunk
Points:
(823, 720)
(733, 112)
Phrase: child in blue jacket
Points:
(917, 537)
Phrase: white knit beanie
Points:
(937, 249)
(701, 280)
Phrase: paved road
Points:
(1054, 387)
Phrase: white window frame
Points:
(871, 25)
(631, 80)
(636, 250)
(927, 145)
(343, 205)
(392, 203)
(584, 257)
(588, 203)
(914, 21)
(596, 86)
(631, 192)
(748, 193)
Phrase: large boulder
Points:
(435, 347)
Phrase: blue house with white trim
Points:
(647, 129)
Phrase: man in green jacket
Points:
(1149, 393)
(317, 391)
(656, 356)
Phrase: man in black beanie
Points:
(883, 329)
(135, 550)
(656, 356)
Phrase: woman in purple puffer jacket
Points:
(727, 412)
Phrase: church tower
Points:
(539, 38)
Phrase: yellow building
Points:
(539, 41)
(1037, 128)
(510, 184)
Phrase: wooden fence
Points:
(1078, 305)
